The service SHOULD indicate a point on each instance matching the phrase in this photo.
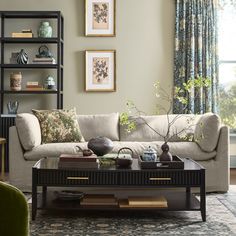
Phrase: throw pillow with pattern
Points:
(59, 126)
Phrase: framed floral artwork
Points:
(100, 70)
(100, 18)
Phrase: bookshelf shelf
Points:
(30, 40)
(30, 66)
(43, 91)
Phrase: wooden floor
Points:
(233, 176)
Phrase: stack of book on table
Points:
(44, 60)
(78, 161)
(99, 200)
(143, 202)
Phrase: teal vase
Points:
(45, 30)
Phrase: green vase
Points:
(45, 30)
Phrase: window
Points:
(227, 65)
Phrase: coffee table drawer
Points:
(76, 177)
(166, 178)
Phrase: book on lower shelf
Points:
(32, 83)
(144, 202)
(34, 87)
(99, 200)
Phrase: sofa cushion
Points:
(183, 149)
(106, 125)
(58, 126)
(28, 129)
(207, 132)
(143, 133)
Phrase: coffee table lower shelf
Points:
(177, 201)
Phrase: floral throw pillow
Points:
(59, 126)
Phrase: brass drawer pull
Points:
(159, 178)
(78, 178)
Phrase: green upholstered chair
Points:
(13, 211)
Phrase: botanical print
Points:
(100, 15)
(100, 70)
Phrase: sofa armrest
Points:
(222, 159)
(29, 131)
(222, 147)
(15, 149)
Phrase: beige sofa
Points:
(212, 151)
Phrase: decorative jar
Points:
(15, 81)
(45, 30)
(149, 154)
(49, 83)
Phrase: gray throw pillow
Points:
(207, 131)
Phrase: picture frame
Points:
(100, 18)
(100, 70)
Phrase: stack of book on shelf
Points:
(99, 200)
(143, 202)
(34, 85)
(78, 161)
(44, 60)
(26, 33)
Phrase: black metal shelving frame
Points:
(5, 120)
(59, 41)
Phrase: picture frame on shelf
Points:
(100, 18)
(100, 70)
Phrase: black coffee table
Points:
(46, 174)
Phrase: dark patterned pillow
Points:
(59, 126)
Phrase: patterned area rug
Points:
(221, 220)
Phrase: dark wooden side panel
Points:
(5, 124)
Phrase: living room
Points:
(117, 117)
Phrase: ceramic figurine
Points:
(22, 57)
(12, 107)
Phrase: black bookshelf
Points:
(8, 120)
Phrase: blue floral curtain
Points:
(196, 52)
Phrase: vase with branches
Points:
(134, 115)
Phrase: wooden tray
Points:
(176, 163)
